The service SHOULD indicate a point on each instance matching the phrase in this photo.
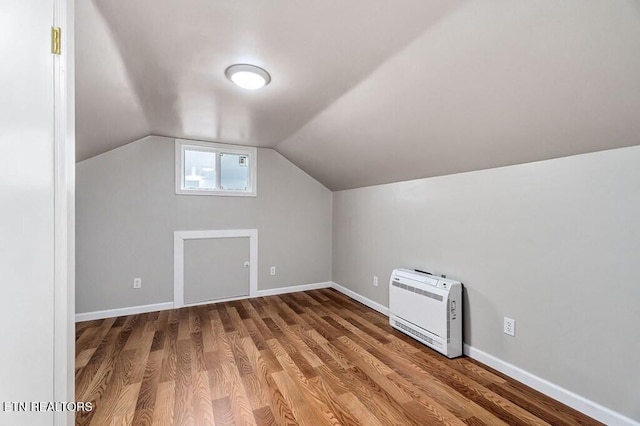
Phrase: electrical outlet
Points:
(509, 326)
(137, 283)
(375, 281)
(273, 270)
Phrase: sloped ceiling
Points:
(364, 91)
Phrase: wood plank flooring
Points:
(311, 358)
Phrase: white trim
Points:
(143, 309)
(178, 257)
(293, 289)
(213, 302)
(365, 301)
(218, 148)
(64, 212)
(178, 270)
(552, 390)
(573, 400)
(131, 310)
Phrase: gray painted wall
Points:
(554, 245)
(127, 212)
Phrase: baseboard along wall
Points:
(573, 400)
(143, 309)
(578, 402)
(131, 310)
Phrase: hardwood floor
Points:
(310, 358)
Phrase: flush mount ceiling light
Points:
(247, 76)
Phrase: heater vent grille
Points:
(416, 333)
(419, 291)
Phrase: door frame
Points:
(64, 211)
(178, 260)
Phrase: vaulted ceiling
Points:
(364, 92)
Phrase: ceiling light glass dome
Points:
(248, 76)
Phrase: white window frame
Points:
(217, 148)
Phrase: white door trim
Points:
(178, 257)
(64, 209)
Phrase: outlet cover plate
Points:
(510, 326)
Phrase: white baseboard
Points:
(573, 400)
(365, 301)
(292, 289)
(213, 302)
(132, 310)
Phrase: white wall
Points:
(553, 244)
(127, 211)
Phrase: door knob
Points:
(246, 264)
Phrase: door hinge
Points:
(56, 45)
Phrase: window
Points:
(204, 168)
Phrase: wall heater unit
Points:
(427, 308)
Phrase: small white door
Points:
(215, 269)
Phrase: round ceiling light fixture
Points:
(248, 76)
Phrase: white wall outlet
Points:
(509, 326)
(137, 283)
(375, 281)
(273, 270)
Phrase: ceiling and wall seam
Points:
(375, 95)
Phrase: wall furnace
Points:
(427, 308)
